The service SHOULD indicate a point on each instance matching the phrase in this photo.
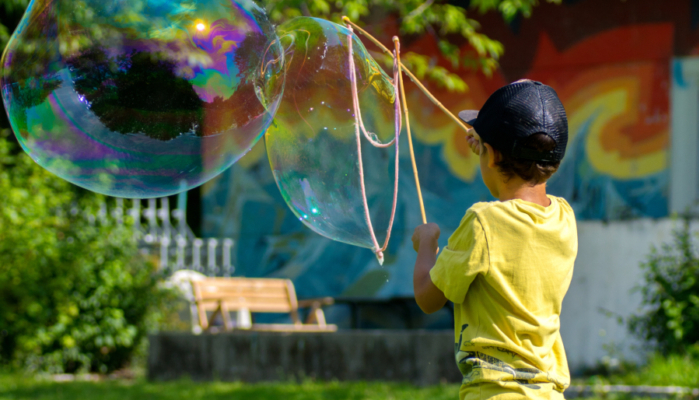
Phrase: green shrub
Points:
(75, 293)
(669, 319)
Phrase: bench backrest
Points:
(256, 295)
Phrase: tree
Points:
(449, 22)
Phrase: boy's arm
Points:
(427, 295)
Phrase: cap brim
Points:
(468, 116)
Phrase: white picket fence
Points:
(165, 233)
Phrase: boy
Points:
(509, 264)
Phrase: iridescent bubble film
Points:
(312, 144)
(141, 98)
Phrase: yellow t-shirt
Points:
(507, 268)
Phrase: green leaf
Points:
(449, 25)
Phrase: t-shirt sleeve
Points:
(465, 256)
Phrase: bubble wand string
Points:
(359, 127)
(403, 101)
(410, 74)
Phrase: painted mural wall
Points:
(609, 64)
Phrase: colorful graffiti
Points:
(618, 111)
(614, 84)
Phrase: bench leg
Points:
(203, 320)
(226, 315)
(213, 317)
(320, 317)
(316, 315)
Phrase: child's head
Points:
(523, 131)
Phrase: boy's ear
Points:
(494, 156)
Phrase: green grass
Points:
(660, 371)
(19, 387)
(673, 370)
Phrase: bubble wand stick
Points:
(396, 42)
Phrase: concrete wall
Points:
(606, 271)
(420, 357)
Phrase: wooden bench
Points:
(257, 295)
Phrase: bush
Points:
(670, 292)
(75, 294)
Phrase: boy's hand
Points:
(428, 296)
(474, 141)
(426, 235)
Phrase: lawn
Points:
(661, 371)
(18, 387)
(673, 370)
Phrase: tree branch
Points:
(424, 6)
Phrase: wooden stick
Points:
(404, 101)
(410, 74)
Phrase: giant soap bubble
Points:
(338, 179)
(141, 98)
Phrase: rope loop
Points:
(360, 131)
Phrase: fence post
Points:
(211, 267)
(228, 269)
(151, 215)
(196, 255)
(181, 244)
(164, 215)
(164, 250)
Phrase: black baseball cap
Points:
(516, 111)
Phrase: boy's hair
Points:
(533, 172)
